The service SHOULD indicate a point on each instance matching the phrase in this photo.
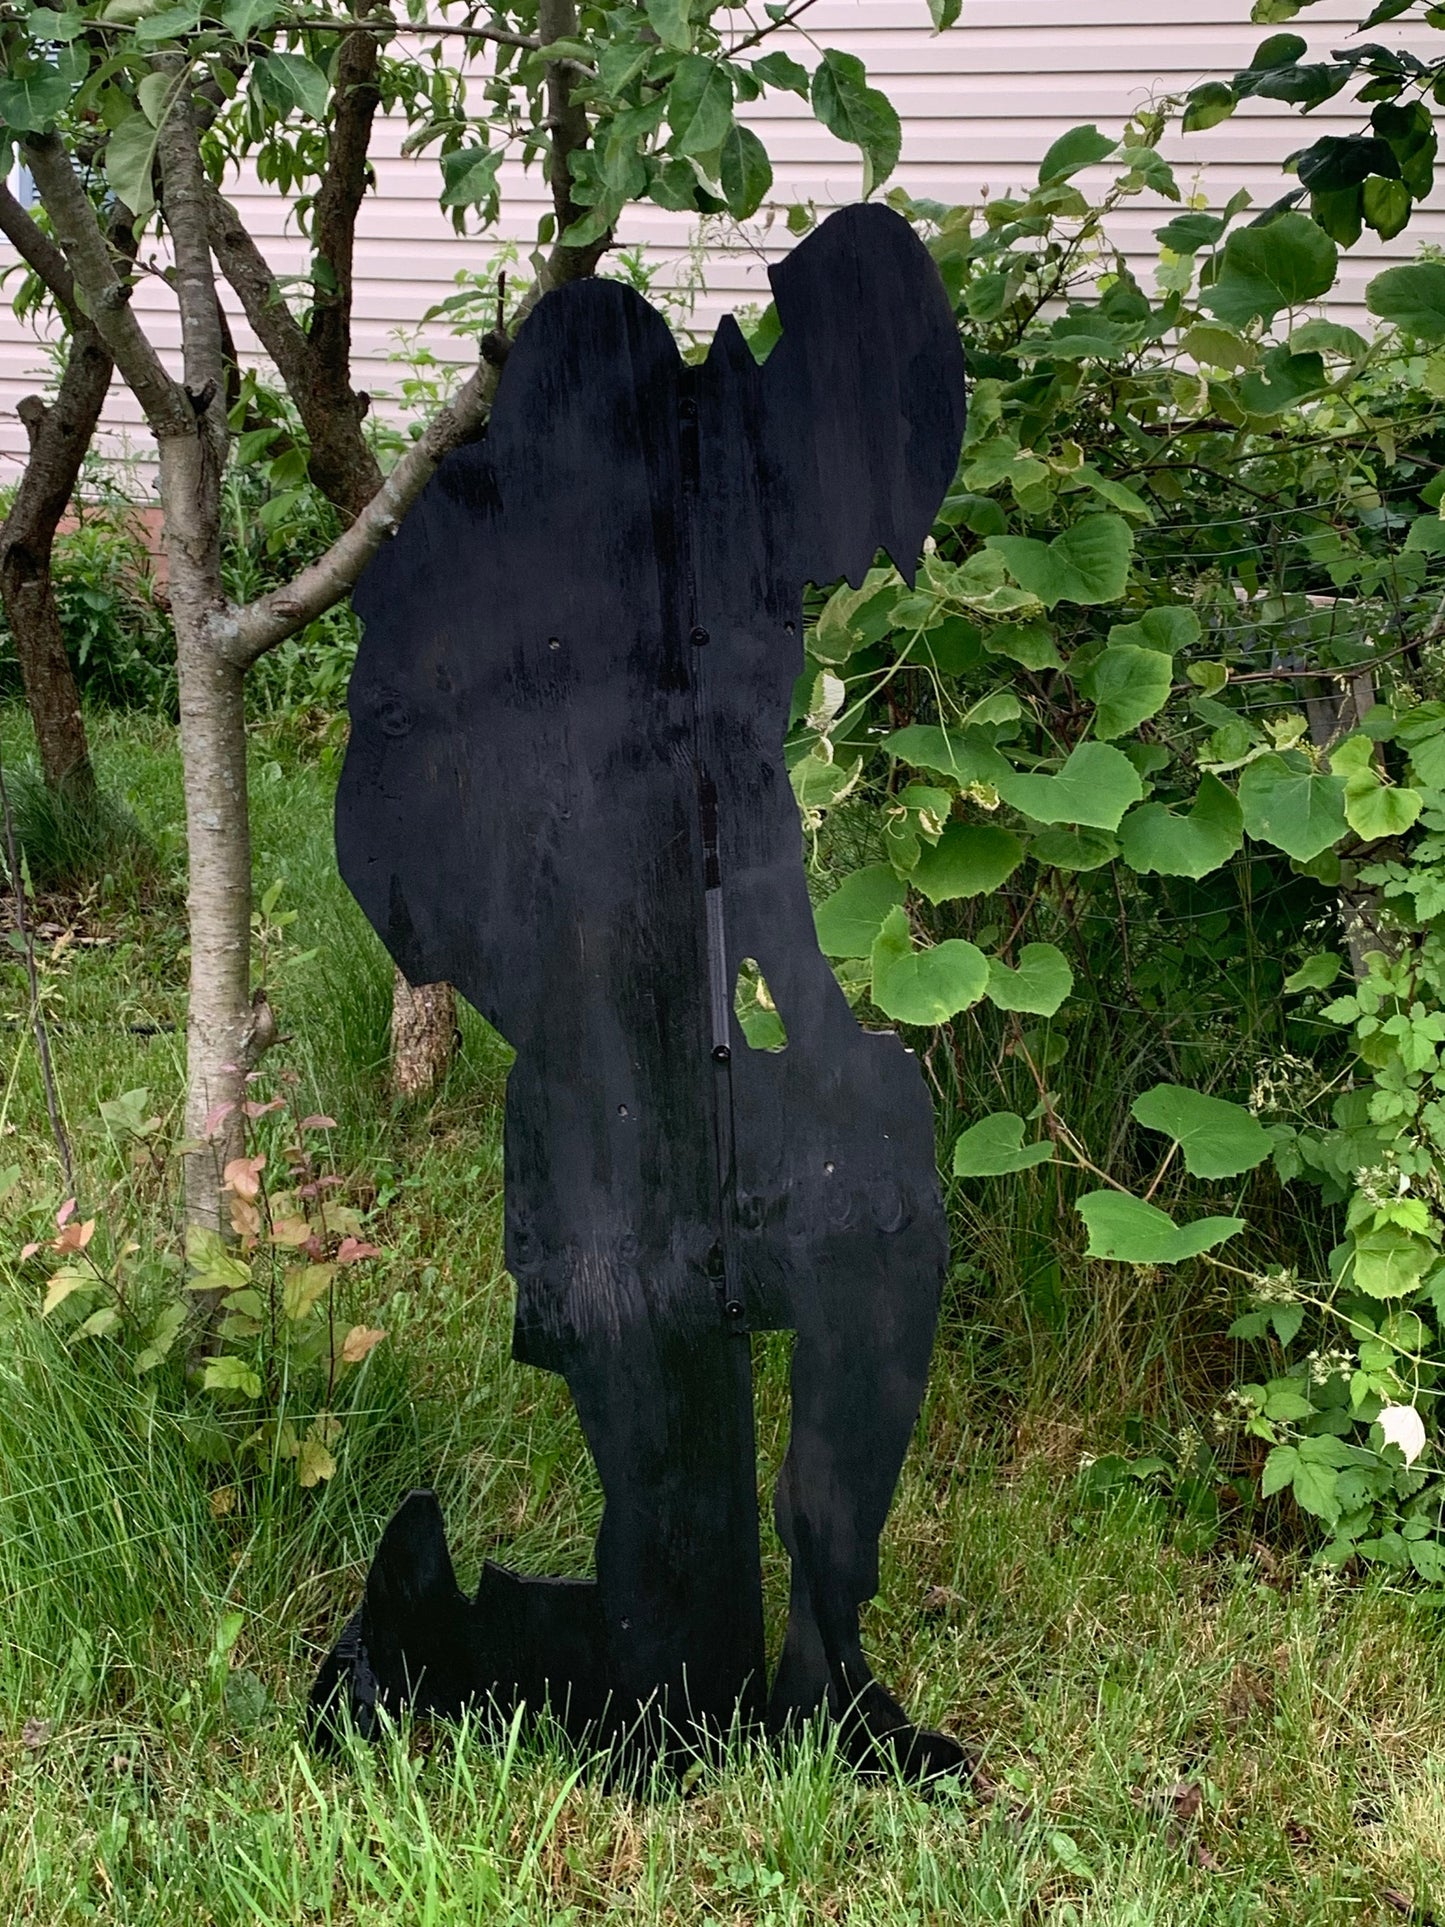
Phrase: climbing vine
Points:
(1173, 655)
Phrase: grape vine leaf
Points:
(1087, 562)
(924, 986)
(1127, 685)
(1218, 1139)
(1284, 264)
(1038, 986)
(1094, 788)
(1132, 1232)
(848, 922)
(1156, 838)
(1291, 805)
(968, 860)
(994, 1147)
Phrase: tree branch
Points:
(342, 465)
(38, 252)
(425, 29)
(246, 634)
(760, 34)
(567, 118)
(86, 250)
(183, 203)
(256, 287)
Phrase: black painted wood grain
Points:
(565, 794)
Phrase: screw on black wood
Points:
(721, 1054)
(699, 638)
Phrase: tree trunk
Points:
(222, 1039)
(59, 437)
(423, 1035)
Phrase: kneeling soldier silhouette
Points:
(565, 794)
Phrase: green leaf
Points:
(699, 105)
(1279, 1470)
(670, 21)
(130, 156)
(924, 986)
(1297, 809)
(163, 1335)
(1167, 629)
(968, 860)
(1074, 849)
(243, 18)
(1315, 1487)
(1413, 297)
(782, 71)
(849, 921)
(314, 1462)
(99, 1323)
(853, 618)
(1374, 809)
(966, 755)
(1038, 986)
(231, 1375)
(854, 112)
(169, 23)
(291, 81)
(154, 95)
(1081, 147)
(1315, 973)
(30, 102)
(1215, 347)
(1208, 105)
(1284, 264)
(994, 1147)
(1279, 50)
(1287, 1320)
(1281, 382)
(1030, 643)
(1388, 1262)
(215, 1265)
(943, 13)
(1094, 788)
(619, 64)
(1157, 838)
(1086, 563)
(469, 176)
(1188, 233)
(303, 1286)
(1330, 338)
(1288, 1405)
(1218, 1139)
(1132, 1232)
(1127, 686)
(745, 172)
(1387, 206)
(64, 1284)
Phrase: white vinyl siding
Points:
(980, 105)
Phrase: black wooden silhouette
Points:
(565, 794)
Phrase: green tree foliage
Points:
(1373, 178)
(1171, 651)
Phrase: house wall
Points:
(980, 105)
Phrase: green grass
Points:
(163, 1605)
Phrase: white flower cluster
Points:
(1277, 1286)
(1331, 1364)
(1382, 1183)
(1282, 1082)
